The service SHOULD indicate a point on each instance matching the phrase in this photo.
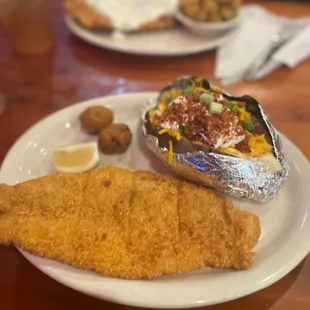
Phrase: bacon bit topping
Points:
(186, 116)
(243, 146)
(217, 130)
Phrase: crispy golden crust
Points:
(127, 224)
(114, 139)
(210, 10)
(87, 16)
(94, 118)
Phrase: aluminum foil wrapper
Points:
(229, 174)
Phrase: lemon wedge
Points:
(76, 158)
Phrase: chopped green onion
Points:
(248, 125)
(188, 90)
(184, 129)
(206, 99)
(229, 105)
(215, 108)
(235, 107)
(232, 106)
(169, 100)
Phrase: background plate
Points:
(170, 42)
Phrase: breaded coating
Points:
(94, 118)
(127, 224)
(114, 139)
(210, 10)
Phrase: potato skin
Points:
(94, 118)
(114, 139)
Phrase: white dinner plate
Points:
(284, 241)
(170, 42)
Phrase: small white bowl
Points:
(208, 29)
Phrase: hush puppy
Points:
(114, 138)
(96, 117)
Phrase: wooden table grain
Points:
(74, 71)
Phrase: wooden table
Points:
(74, 71)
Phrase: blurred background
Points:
(56, 53)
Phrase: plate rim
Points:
(87, 36)
(280, 273)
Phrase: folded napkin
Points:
(262, 43)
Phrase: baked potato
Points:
(216, 139)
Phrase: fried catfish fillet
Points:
(127, 224)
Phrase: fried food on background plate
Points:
(210, 10)
(90, 17)
(127, 224)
